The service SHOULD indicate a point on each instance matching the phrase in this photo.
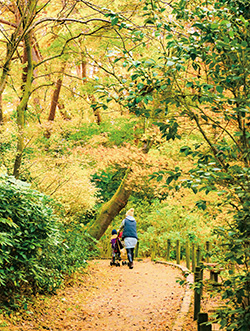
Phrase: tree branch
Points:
(66, 20)
(8, 23)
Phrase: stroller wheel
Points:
(117, 264)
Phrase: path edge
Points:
(186, 302)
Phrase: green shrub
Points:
(27, 228)
(36, 251)
(84, 133)
(161, 221)
(77, 245)
(117, 131)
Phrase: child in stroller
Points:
(116, 246)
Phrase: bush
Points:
(27, 228)
(116, 131)
(163, 221)
(37, 252)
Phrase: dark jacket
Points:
(129, 229)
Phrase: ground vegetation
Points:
(106, 107)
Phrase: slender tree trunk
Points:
(37, 57)
(3, 79)
(84, 70)
(96, 111)
(54, 101)
(1, 109)
(21, 108)
(111, 209)
(56, 94)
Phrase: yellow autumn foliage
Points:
(66, 181)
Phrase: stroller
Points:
(117, 246)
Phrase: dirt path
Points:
(111, 298)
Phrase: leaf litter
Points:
(109, 298)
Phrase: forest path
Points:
(111, 298)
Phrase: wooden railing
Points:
(195, 256)
(193, 253)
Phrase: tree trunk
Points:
(111, 209)
(55, 97)
(96, 111)
(54, 101)
(21, 108)
(4, 76)
(1, 108)
(84, 70)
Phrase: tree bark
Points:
(96, 111)
(4, 76)
(21, 108)
(54, 101)
(111, 209)
(55, 97)
(1, 108)
(83, 72)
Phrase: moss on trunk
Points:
(111, 209)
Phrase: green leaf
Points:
(219, 89)
(114, 20)
(170, 63)
(140, 86)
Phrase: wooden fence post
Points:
(193, 257)
(137, 248)
(197, 292)
(153, 250)
(187, 255)
(203, 318)
(178, 251)
(168, 249)
(208, 247)
(198, 255)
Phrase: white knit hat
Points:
(130, 212)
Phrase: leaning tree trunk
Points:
(111, 209)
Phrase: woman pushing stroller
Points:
(129, 235)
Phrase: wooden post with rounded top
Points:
(178, 251)
(187, 255)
